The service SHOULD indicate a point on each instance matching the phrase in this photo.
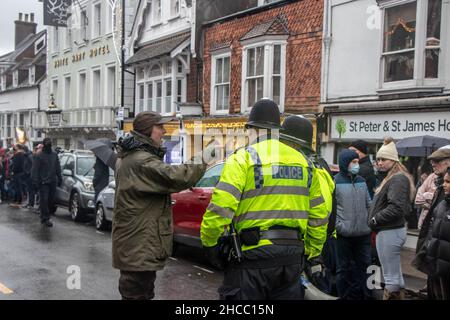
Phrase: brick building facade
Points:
(300, 22)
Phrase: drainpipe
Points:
(122, 91)
(324, 68)
(326, 49)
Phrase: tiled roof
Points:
(157, 49)
(23, 45)
(219, 45)
(272, 27)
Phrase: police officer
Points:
(297, 132)
(266, 191)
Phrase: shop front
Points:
(373, 127)
(189, 136)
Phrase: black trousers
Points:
(3, 194)
(30, 190)
(277, 283)
(137, 285)
(47, 200)
(18, 187)
(438, 288)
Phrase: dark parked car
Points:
(188, 207)
(76, 192)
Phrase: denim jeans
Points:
(353, 259)
(389, 246)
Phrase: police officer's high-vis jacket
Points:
(265, 184)
(327, 187)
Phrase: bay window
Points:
(264, 73)
(411, 43)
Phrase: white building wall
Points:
(354, 60)
(168, 25)
(19, 100)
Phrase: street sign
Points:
(120, 114)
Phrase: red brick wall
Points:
(303, 54)
(192, 86)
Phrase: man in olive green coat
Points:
(142, 218)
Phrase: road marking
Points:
(4, 289)
(203, 269)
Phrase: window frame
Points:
(80, 96)
(67, 93)
(173, 77)
(94, 70)
(268, 44)
(175, 14)
(418, 82)
(156, 20)
(214, 57)
(97, 22)
(54, 91)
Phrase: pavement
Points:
(414, 279)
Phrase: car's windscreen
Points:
(211, 177)
(85, 166)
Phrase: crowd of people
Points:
(291, 214)
(28, 179)
(279, 202)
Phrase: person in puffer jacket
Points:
(353, 233)
(438, 251)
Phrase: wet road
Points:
(37, 262)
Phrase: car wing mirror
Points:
(112, 185)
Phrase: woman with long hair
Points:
(392, 202)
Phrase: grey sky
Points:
(10, 12)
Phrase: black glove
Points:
(315, 267)
(212, 254)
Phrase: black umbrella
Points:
(420, 146)
(104, 149)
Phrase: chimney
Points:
(24, 28)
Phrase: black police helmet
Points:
(265, 114)
(299, 130)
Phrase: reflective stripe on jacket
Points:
(263, 185)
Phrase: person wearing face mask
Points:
(391, 203)
(46, 175)
(353, 234)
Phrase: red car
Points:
(190, 205)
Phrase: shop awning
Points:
(157, 49)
